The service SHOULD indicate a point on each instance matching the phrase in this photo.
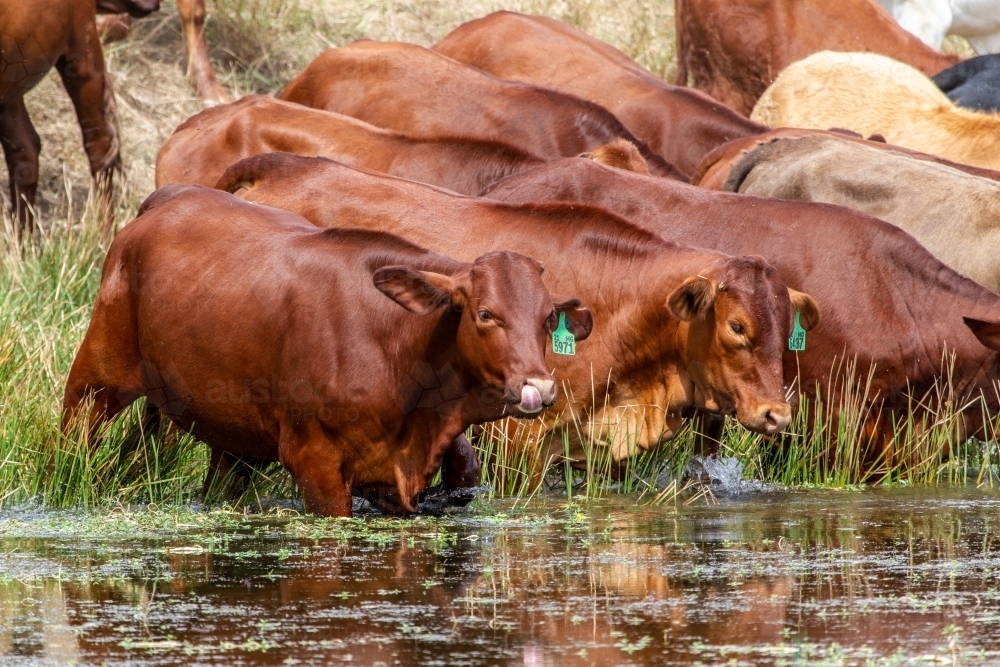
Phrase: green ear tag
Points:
(797, 341)
(563, 340)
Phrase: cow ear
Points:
(807, 308)
(420, 292)
(579, 321)
(693, 298)
(988, 333)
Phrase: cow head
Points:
(738, 316)
(506, 317)
(136, 8)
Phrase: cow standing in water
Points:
(888, 305)
(62, 34)
(674, 327)
(199, 67)
(308, 361)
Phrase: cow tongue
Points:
(531, 400)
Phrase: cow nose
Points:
(546, 389)
(776, 418)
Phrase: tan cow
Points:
(714, 170)
(872, 94)
(953, 214)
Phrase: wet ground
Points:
(809, 577)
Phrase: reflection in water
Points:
(774, 578)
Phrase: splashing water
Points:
(724, 475)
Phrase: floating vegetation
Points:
(886, 577)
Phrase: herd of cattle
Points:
(523, 222)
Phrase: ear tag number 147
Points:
(797, 341)
(563, 340)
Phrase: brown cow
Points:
(870, 93)
(36, 37)
(304, 361)
(679, 124)
(887, 302)
(734, 50)
(714, 170)
(674, 327)
(192, 14)
(421, 93)
(204, 145)
(953, 214)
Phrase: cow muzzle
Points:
(536, 394)
(767, 418)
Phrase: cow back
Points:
(678, 124)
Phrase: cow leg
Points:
(21, 147)
(200, 72)
(384, 497)
(708, 429)
(89, 87)
(108, 365)
(460, 473)
(460, 466)
(232, 472)
(104, 373)
(114, 27)
(316, 464)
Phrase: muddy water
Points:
(873, 577)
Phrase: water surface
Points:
(807, 577)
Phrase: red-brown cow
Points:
(204, 145)
(887, 302)
(714, 170)
(674, 327)
(36, 37)
(302, 360)
(679, 124)
(414, 90)
(734, 50)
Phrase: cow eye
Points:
(737, 328)
(484, 315)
